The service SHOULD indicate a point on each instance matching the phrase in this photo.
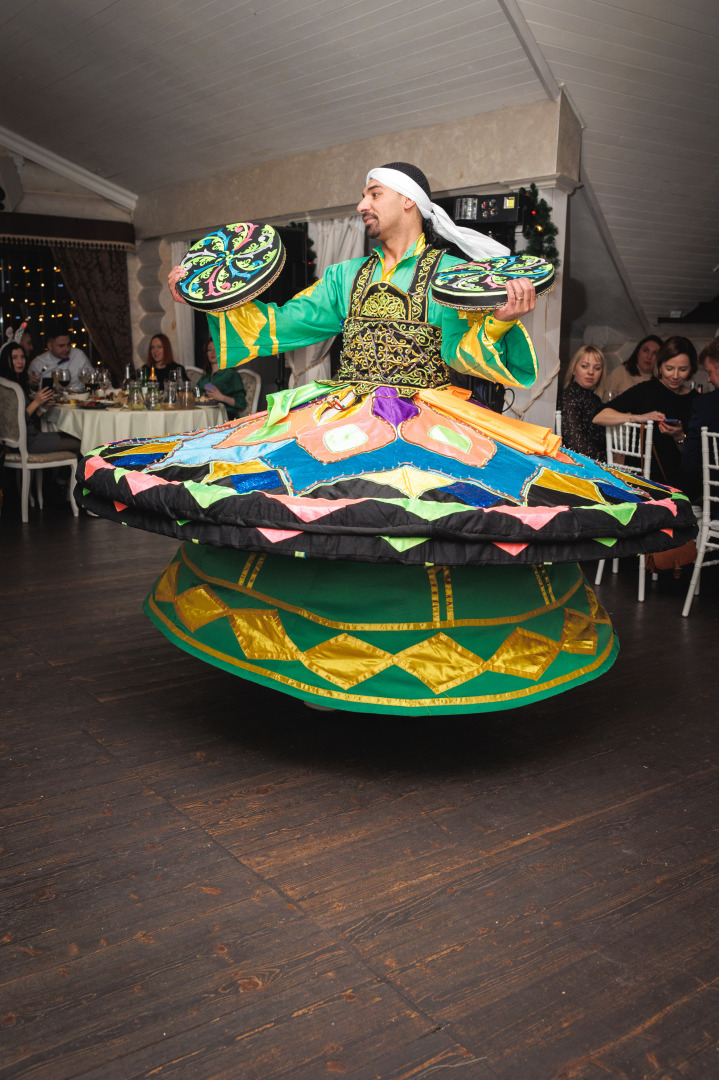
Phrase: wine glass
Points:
(63, 378)
(94, 383)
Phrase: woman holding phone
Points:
(13, 366)
(224, 385)
(666, 399)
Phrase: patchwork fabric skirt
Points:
(384, 554)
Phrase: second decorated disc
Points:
(480, 286)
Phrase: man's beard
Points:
(372, 228)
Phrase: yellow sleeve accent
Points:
(273, 330)
(309, 290)
(478, 353)
(222, 362)
(494, 329)
(248, 322)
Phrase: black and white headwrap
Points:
(408, 180)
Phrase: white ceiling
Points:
(149, 93)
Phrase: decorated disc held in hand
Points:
(231, 265)
(482, 286)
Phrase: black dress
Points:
(654, 395)
(579, 406)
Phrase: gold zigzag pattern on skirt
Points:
(438, 661)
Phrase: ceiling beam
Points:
(60, 165)
(532, 51)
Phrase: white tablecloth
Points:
(96, 427)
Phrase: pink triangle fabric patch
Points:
(138, 481)
(275, 535)
(313, 509)
(511, 549)
(92, 464)
(534, 516)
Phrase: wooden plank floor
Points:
(203, 879)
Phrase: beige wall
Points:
(493, 150)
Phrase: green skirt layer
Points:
(386, 638)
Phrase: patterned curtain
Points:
(97, 280)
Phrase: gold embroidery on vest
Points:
(387, 339)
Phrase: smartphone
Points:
(46, 382)
(671, 420)
(210, 386)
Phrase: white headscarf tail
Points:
(475, 245)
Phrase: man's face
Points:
(712, 370)
(60, 346)
(382, 210)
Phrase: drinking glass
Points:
(152, 395)
(171, 393)
(135, 400)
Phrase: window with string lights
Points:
(32, 290)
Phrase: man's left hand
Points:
(521, 299)
(176, 274)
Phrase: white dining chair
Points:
(633, 441)
(13, 433)
(558, 423)
(708, 539)
(194, 374)
(253, 386)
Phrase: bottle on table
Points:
(152, 392)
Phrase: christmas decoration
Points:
(539, 229)
(310, 254)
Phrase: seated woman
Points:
(638, 368)
(222, 384)
(579, 403)
(13, 366)
(161, 360)
(666, 399)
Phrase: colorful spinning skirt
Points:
(382, 553)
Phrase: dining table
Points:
(98, 425)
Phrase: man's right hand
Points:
(176, 274)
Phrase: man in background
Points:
(61, 353)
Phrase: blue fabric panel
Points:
(613, 493)
(256, 482)
(472, 494)
(137, 461)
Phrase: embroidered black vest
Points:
(387, 338)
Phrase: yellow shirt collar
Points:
(417, 248)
